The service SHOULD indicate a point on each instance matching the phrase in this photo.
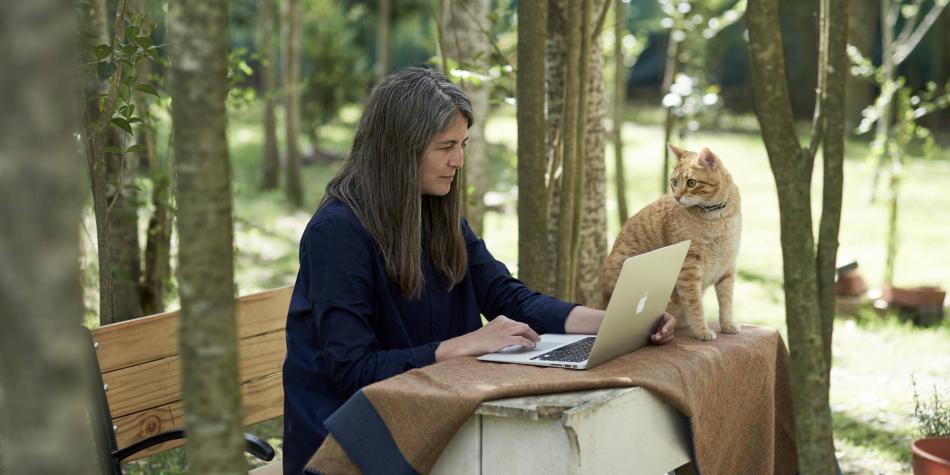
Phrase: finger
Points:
(661, 338)
(525, 331)
(670, 324)
(520, 340)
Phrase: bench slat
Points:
(155, 337)
(263, 399)
(156, 383)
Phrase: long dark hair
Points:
(380, 179)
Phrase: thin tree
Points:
(620, 96)
(466, 41)
(532, 154)
(96, 134)
(382, 38)
(861, 32)
(156, 262)
(45, 386)
(197, 47)
(894, 51)
(271, 159)
(562, 139)
(592, 235)
(567, 197)
(809, 269)
(292, 104)
(670, 69)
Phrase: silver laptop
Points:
(640, 296)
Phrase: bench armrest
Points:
(161, 437)
(253, 445)
(258, 447)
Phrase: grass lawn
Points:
(874, 357)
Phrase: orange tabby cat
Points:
(704, 207)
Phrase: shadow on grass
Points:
(870, 435)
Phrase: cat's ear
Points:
(678, 152)
(708, 159)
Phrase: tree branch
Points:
(818, 122)
(601, 17)
(901, 49)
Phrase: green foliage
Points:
(694, 93)
(335, 69)
(240, 94)
(931, 416)
(909, 137)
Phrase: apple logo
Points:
(643, 303)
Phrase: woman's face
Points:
(444, 157)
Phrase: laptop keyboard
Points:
(575, 352)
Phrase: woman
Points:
(391, 277)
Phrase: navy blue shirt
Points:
(349, 325)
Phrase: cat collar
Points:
(712, 207)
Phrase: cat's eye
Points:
(672, 182)
(690, 183)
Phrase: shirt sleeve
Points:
(339, 256)
(498, 293)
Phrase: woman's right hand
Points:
(500, 333)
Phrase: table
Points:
(624, 430)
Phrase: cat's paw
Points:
(704, 333)
(730, 327)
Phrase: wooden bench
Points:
(141, 371)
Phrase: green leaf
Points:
(122, 124)
(137, 148)
(147, 89)
(103, 51)
(105, 70)
(145, 41)
(112, 149)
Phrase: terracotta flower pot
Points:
(932, 456)
(921, 305)
(914, 296)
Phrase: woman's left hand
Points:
(667, 327)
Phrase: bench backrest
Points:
(141, 368)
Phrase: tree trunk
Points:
(670, 70)
(861, 34)
(93, 25)
(532, 150)
(466, 41)
(292, 86)
(555, 73)
(808, 278)
(832, 95)
(567, 199)
(592, 194)
(580, 144)
(197, 47)
(155, 262)
(382, 39)
(45, 385)
(158, 241)
(619, 99)
(271, 159)
(593, 230)
(882, 131)
(124, 237)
